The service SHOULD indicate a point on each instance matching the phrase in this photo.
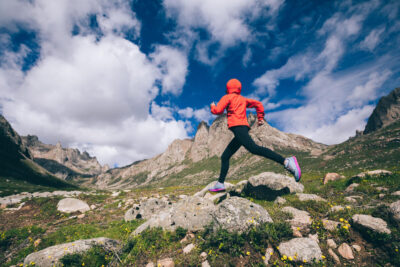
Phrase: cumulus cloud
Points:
(202, 114)
(226, 22)
(90, 92)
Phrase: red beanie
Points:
(233, 85)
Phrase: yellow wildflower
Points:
(304, 261)
(323, 256)
(348, 207)
(83, 264)
(341, 219)
(290, 258)
(271, 253)
(248, 253)
(284, 257)
(397, 250)
(263, 257)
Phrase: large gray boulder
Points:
(68, 205)
(239, 214)
(301, 249)
(371, 223)
(270, 185)
(192, 213)
(395, 210)
(51, 256)
(146, 209)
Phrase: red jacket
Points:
(236, 105)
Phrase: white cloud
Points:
(203, 114)
(372, 40)
(91, 93)
(173, 65)
(226, 21)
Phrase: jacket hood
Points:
(233, 87)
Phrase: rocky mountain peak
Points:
(386, 111)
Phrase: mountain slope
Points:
(16, 161)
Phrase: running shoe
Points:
(292, 165)
(217, 187)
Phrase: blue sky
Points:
(123, 79)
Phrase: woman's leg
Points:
(231, 149)
(243, 137)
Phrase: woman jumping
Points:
(236, 105)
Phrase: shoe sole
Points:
(216, 190)
(298, 169)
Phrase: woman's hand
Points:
(212, 104)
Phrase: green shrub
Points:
(96, 256)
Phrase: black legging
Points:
(242, 138)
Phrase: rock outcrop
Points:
(301, 249)
(386, 111)
(51, 256)
(371, 223)
(146, 209)
(68, 205)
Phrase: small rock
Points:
(314, 237)
(373, 173)
(334, 256)
(296, 231)
(68, 205)
(351, 187)
(119, 205)
(395, 210)
(330, 225)
(306, 197)
(205, 264)
(203, 255)
(345, 251)
(280, 201)
(115, 194)
(305, 249)
(356, 247)
(3, 206)
(268, 255)
(372, 223)
(381, 188)
(150, 264)
(188, 248)
(350, 199)
(381, 196)
(187, 237)
(182, 196)
(397, 193)
(167, 262)
(92, 207)
(337, 208)
(331, 243)
(332, 176)
(81, 216)
(300, 219)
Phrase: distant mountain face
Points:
(65, 163)
(182, 157)
(386, 112)
(16, 161)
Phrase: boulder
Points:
(373, 173)
(239, 214)
(191, 213)
(300, 219)
(332, 176)
(146, 209)
(345, 251)
(303, 248)
(269, 185)
(188, 248)
(69, 205)
(371, 223)
(306, 197)
(395, 210)
(50, 256)
(351, 187)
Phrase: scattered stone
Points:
(330, 225)
(306, 197)
(331, 243)
(351, 187)
(397, 193)
(203, 255)
(381, 188)
(3, 206)
(269, 185)
(280, 201)
(191, 213)
(167, 262)
(268, 255)
(296, 231)
(17, 208)
(334, 256)
(68, 205)
(352, 199)
(188, 248)
(372, 223)
(356, 247)
(146, 209)
(182, 196)
(119, 205)
(337, 208)
(332, 176)
(81, 216)
(115, 194)
(50, 256)
(381, 196)
(314, 237)
(305, 249)
(239, 214)
(92, 207)
(150, 264)
(373, 173)
(395, 210)
(205, 264)
(187, 237)
(300, 219)
(345, 251)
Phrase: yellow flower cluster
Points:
(346, 223)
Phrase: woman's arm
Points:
(220, 107)
(251, 103)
